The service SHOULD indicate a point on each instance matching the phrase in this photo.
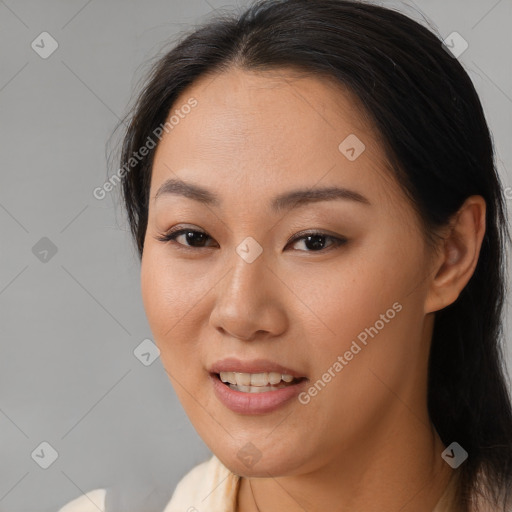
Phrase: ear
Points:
(458, 257)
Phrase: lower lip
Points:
(254, 403)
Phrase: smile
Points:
(263, 397)
(256, 382)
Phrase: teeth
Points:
(273, 378)
(260, 380)
(242, 379)
(256, 389)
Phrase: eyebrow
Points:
(285, 201)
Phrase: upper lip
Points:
(231, 364)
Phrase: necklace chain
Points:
(253, 498)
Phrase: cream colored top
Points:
(210, 487)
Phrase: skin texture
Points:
(365, 441)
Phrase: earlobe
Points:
(457, 260)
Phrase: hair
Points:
(435, 135)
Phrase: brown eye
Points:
(316, 241)
(192, 237)
(313, 241)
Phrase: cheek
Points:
(172, 302)
(362, 309)
(168, 291)
(340, 299)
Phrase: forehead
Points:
(261, 132)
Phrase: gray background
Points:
(69, 325)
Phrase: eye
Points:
(314, 240)
(189, 236)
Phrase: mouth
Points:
(257, 382)
(255, 387)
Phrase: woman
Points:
(312, 191)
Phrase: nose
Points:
(248, 302)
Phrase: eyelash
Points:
(171, 236)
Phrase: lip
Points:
(231, 364)
(254, 403)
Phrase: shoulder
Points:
(88, 502)
(207, 486)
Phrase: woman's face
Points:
(248, 286)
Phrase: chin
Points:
(246, 460)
